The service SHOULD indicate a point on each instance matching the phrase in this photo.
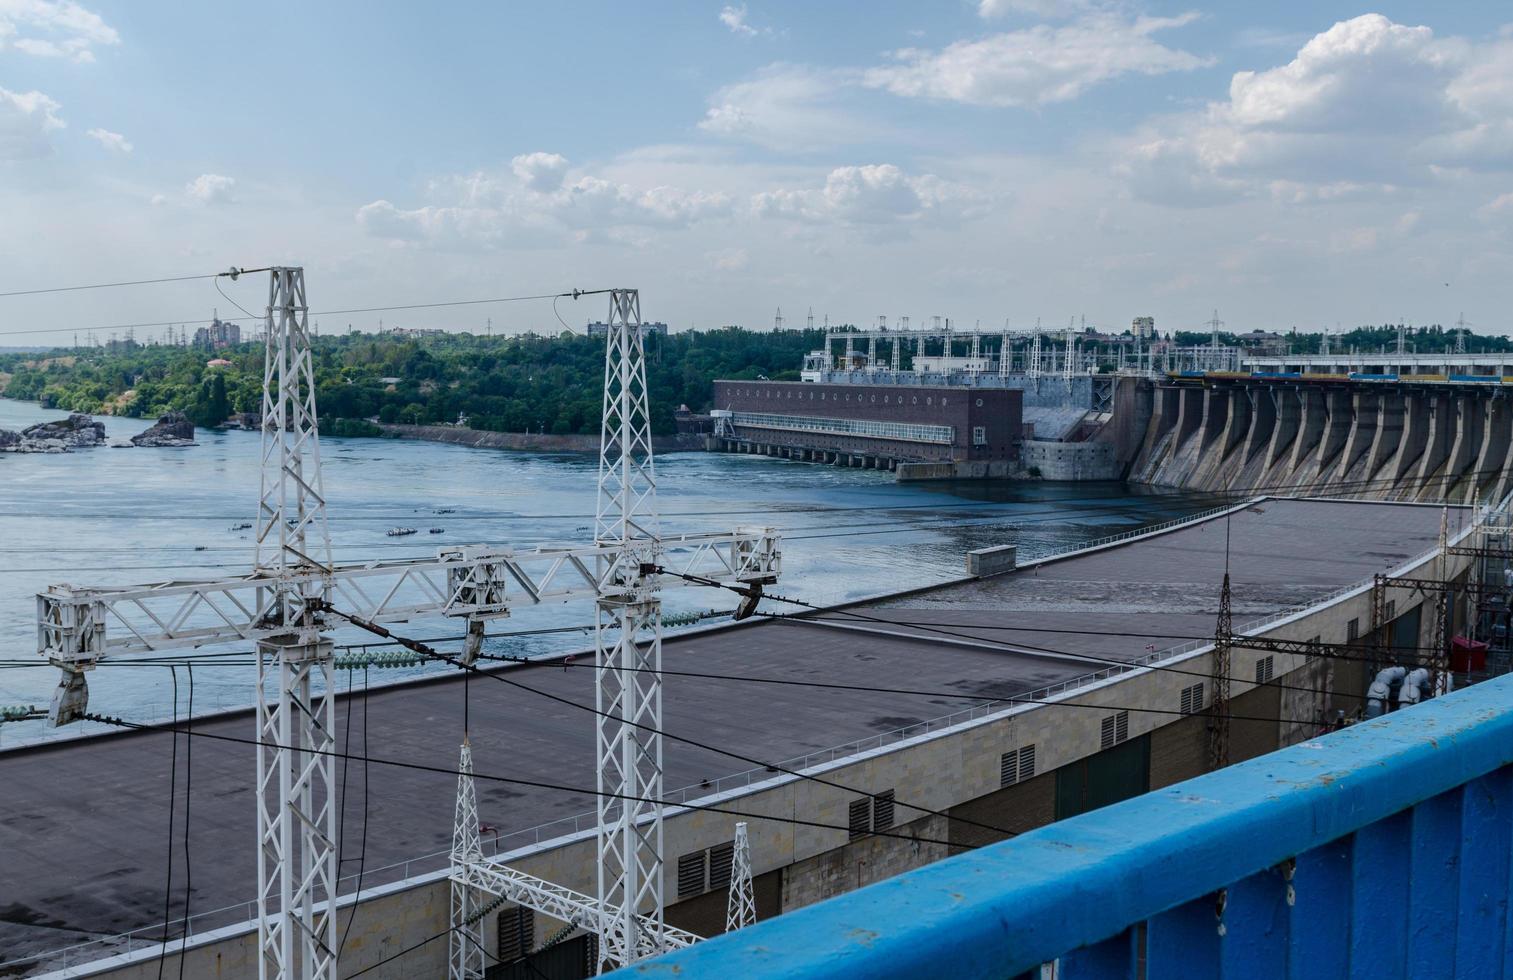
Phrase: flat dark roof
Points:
(83, 832)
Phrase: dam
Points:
(1379, 436)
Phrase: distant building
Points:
(218, 336)
(597, 329)
(217, 362)
(414, 332)
(1261, 342)
(1144, 327)
(884, 423)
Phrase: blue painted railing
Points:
(1380, 851)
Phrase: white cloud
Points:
(1363, 107)
(109, 140)
(1039, 65)
(210, 189)
(989, 9)
(870, 194)
(540, 172)
(51, 29)
(26, 119)
(734, 19)
(537, 203)
(728, 259)
(790, 107)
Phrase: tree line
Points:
(506, 384)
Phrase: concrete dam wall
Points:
(1383, 440)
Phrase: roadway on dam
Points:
(84, 838)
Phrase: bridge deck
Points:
(83, 834)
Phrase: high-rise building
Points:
(1144, 327)
(220, 334)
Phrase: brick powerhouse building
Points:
(881, 425)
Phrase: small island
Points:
(81, 431)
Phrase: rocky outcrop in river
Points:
(173, 429)
(75, 432)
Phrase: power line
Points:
(188, 796)
(362, 854)
(913, 692)
(429, 651)
(106, 285)
(536, 783)
(1021, 648)
(570, 294)
(173, 782)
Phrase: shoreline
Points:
(534, 441)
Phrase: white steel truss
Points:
(466, 955)
(296, 805)
(473, 874)
(278, 605)
(628, 655)
(296, 810)
(629, 749)
(627, 508)
(77, 626)
(740, 908)
(291, 513)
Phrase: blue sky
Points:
(1286, 163)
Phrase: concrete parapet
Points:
(992, 561)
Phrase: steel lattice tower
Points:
(740, 909)
(628, 653)
(296, 812)
(1218, 730)
(466, 954)
(1439, 662)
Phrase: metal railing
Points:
(1377, 851)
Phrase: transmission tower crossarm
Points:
(79, 626)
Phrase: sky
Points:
(1287, 164)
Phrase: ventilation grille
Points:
(1192, 699)
(1026, 762)
(721, 857)
(1008, 768)
(1352, 630)
(859, 817)
(882, 810)
(691, 873)
(1115, 729)
(517, 933)
(1264, 668)
(1391, 610)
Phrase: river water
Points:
(117, 516)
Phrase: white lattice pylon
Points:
(296, 811)
(291, 514)
(466, 959)
(740, 909)
(628, 654)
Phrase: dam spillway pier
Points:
(1394, 439)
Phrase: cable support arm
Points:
(563, 904)
(79, 626)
